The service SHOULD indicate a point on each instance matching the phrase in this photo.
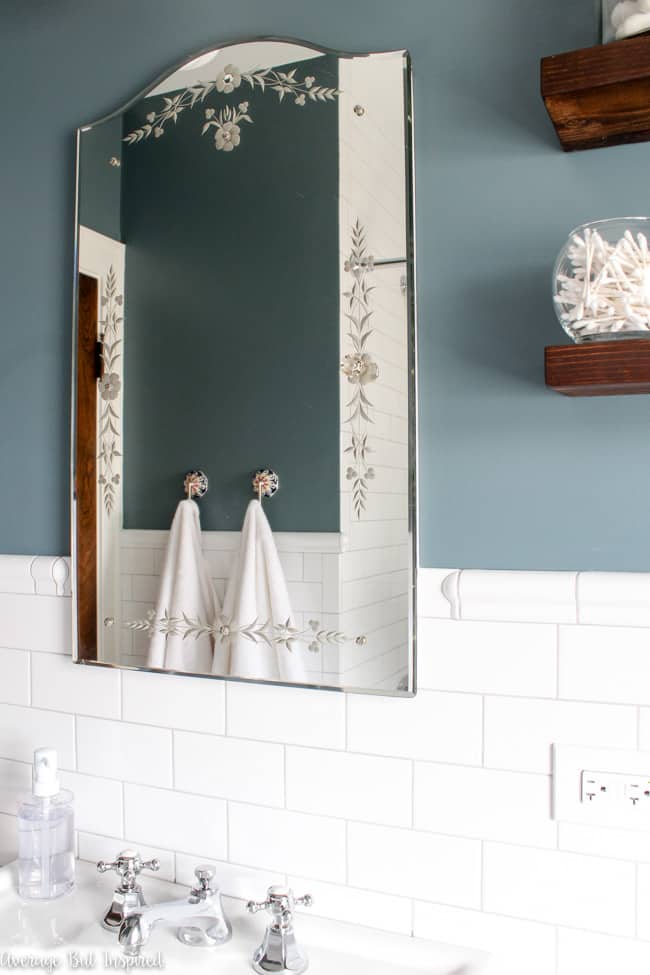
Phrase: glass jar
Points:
(601, 281)
(624, 18)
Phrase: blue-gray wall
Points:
(512, 475)
(231, 337)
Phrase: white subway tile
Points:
(509, 806)
(131, 752)
(364, 907)
(97, 803)
(643, 901)
(605, 663)
(250, 771)
(8, 839)
(286, 714)
(515, 947)
(519, 733)
(36, 622)
(14, 677)
(59, 684)
(93, 848)
(527, 597)
(15, 574)
(192, 703)
(614, 598)
(232, 879)
(605, 841)
(375, 790)
(415, 864)
(15, 783)
(488, 658)
(600, 954)
(560, 888)
(277, 840)
(22, 730)
(432, 726)
(432, 602)
(644, 729)
(175, 821)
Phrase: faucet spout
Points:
(203, 903)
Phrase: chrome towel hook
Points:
(195, 484)
(265, 483)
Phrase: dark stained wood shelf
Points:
(616, 368)
(599, 96)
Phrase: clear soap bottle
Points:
(45, 833)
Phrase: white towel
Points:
(186, 590)
(257, 594)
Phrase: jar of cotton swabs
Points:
(601, 281)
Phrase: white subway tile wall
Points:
(428, 816)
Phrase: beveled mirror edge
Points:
(413, 425)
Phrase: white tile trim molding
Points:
(41, 575)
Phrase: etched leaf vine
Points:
(258, 631)
(360, 369)
(224, 124)
(110, 384)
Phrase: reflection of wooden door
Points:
(86, 468)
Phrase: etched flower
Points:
(227, 136)
(228, 79)
(300, 100)
(359, 368)
(243, 107)
(151, 117)
(110, 386)
(350, 474)
(209, 112)
(158, 131)
(309, 81)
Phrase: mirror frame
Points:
(81, 604)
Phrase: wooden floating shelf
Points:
(616, 368)
(599, 96)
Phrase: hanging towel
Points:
(257, 599)
(186, 590)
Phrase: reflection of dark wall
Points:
(99, 182)
(232, 312)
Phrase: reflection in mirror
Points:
(244, 488)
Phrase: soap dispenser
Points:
(45, 833)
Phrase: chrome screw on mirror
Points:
(128, 896)
(279, 951)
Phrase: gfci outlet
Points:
(601, 786)
(614, 787)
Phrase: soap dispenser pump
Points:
(45, 833)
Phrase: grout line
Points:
(482, 893)
(30, 680)
(413, 794)
(227, 815)
(173, 758)
(284, 775)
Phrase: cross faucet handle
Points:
(280, 902)
(127, 866)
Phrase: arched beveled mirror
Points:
(244, 312)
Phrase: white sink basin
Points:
(67, 931)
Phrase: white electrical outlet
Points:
(601, 786)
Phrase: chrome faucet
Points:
(203, 905)
(128, 896)
(279, 951)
